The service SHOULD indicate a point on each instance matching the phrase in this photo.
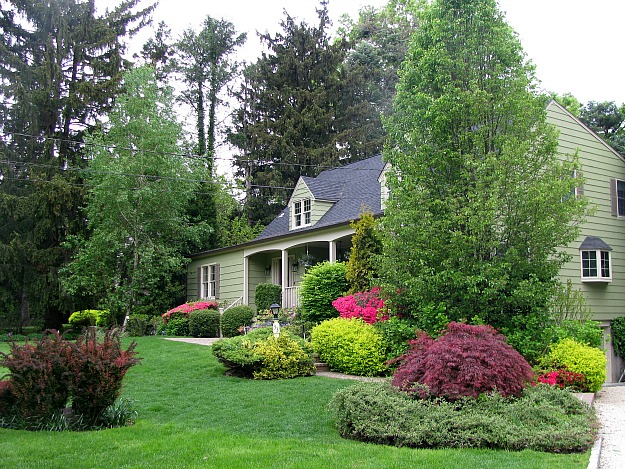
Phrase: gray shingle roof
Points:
(593, 243)
(350, 187)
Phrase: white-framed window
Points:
(209, 281)
(596, 259)
(302, 210)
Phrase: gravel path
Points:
(610, 406)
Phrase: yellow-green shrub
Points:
(579, 358)
(282, 358)
(84, 318)
(350, 346)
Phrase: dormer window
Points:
(596, 260)
(302, 213)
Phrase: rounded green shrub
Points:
(267, 294)
(84, 318)
(178, 326)
(350, 346)
(233, 319)
(104, 318)
(321, 285)
(578, 358)
(618, 335)
(282, 358)
(204, 323)
(260, 356)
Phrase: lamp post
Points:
(276, 323)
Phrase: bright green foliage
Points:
(350, 346)
(105, 318)
(544, 418)
(259, 355)
(618, 336)
(204, 323)
(234, 319)
(584, 332)
(282, 358)
(84, 318)
(479, 201)
(396, 333)
(267, 294)
(322, 284)
(361, 266)
(579, 358)
(139, 187)
(178, 326)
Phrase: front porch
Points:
(285, 263)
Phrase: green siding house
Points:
(315, 226)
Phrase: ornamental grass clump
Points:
(465, 361)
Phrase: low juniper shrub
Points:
(465, 361)
(542, 418)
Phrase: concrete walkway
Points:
(609, 449)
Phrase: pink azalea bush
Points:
(565, 379)
(364, 305)
(185, 308)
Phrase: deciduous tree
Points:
(480, 201)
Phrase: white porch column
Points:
(332, 255)
(285, 273)
(246, 280)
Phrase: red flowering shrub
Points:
(96, 370)
(364, 305)
(184, 309)
(565, 379)
(465, 360)
(7, 399)
(38, 376)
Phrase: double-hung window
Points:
(302, 213)
(209, 281)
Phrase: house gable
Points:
(600, 165)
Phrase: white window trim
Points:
(598, 277)
(302, 213)
(208, 286)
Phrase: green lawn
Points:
(190, 415)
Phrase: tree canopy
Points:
(479, 198)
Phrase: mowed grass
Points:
(191, 415)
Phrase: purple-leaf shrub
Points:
(465, 360)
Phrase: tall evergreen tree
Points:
(480, 202)
(286, 123)
(60, 68)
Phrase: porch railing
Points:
(290, 297)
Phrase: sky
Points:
(576, 45)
